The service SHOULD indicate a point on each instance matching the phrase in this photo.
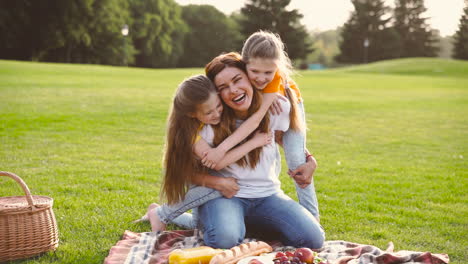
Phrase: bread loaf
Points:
(237, 253)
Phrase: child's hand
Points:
(275, 107)
(261, 139)
(212, 157)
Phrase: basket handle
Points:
(23, 185)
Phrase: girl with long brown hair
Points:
(195, 104)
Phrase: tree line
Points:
(376, 32)
(162, 34)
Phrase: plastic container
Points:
(197, 255)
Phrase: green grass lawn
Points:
(390, 138)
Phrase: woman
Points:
(260, 203)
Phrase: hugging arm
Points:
(259, 140)
(213, 156)
(227, 185)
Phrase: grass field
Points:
(390, 138)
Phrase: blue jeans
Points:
(225, 221)
(294, 143)
(175, 213)
(294, 150)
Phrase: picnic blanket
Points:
(154, 248)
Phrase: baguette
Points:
(237, 253)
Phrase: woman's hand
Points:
(212, 157)
(261, 139)
(304, 173)
(228, 187)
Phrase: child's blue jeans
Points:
(294, 145)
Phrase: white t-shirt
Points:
(262, 181)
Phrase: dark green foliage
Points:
(158, 32)
(15, 21)
(417, 38)
(272, 15)
(210, 34)
(460, 49)
(89, 31)
(368, 24)
(63, 31)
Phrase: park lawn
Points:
(390, 139)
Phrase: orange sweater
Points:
(277, 86)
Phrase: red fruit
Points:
(279, 254)
(255, 261)
(305, 254)
(289, 254)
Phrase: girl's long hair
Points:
(179, 160)
(228, 121)
(266, 45)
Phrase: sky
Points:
(321, 15)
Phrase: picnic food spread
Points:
(148, 247)
(299, 256)
(247, 253)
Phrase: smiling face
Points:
(261, 71)
(210, 111)
(235, 90)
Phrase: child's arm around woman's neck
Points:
(247, 127)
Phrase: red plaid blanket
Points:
(154, 248)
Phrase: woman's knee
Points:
(223, 238)
(223, 223)
(301, 231)
(314, 240)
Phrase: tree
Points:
(92, 30)
(326, 47)
(418, 39)
(64, 31)
(445, 46)
(158, 32)
(15, 27)
(210, 33)
(460, 47)
(366, 36)
(272, 15)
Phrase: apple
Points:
(255, 261)
(305, 255)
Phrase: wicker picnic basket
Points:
(27, 224)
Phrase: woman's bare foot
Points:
(156, 224)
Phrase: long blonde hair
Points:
(228, 121)
(179, 160)
(266, 45)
